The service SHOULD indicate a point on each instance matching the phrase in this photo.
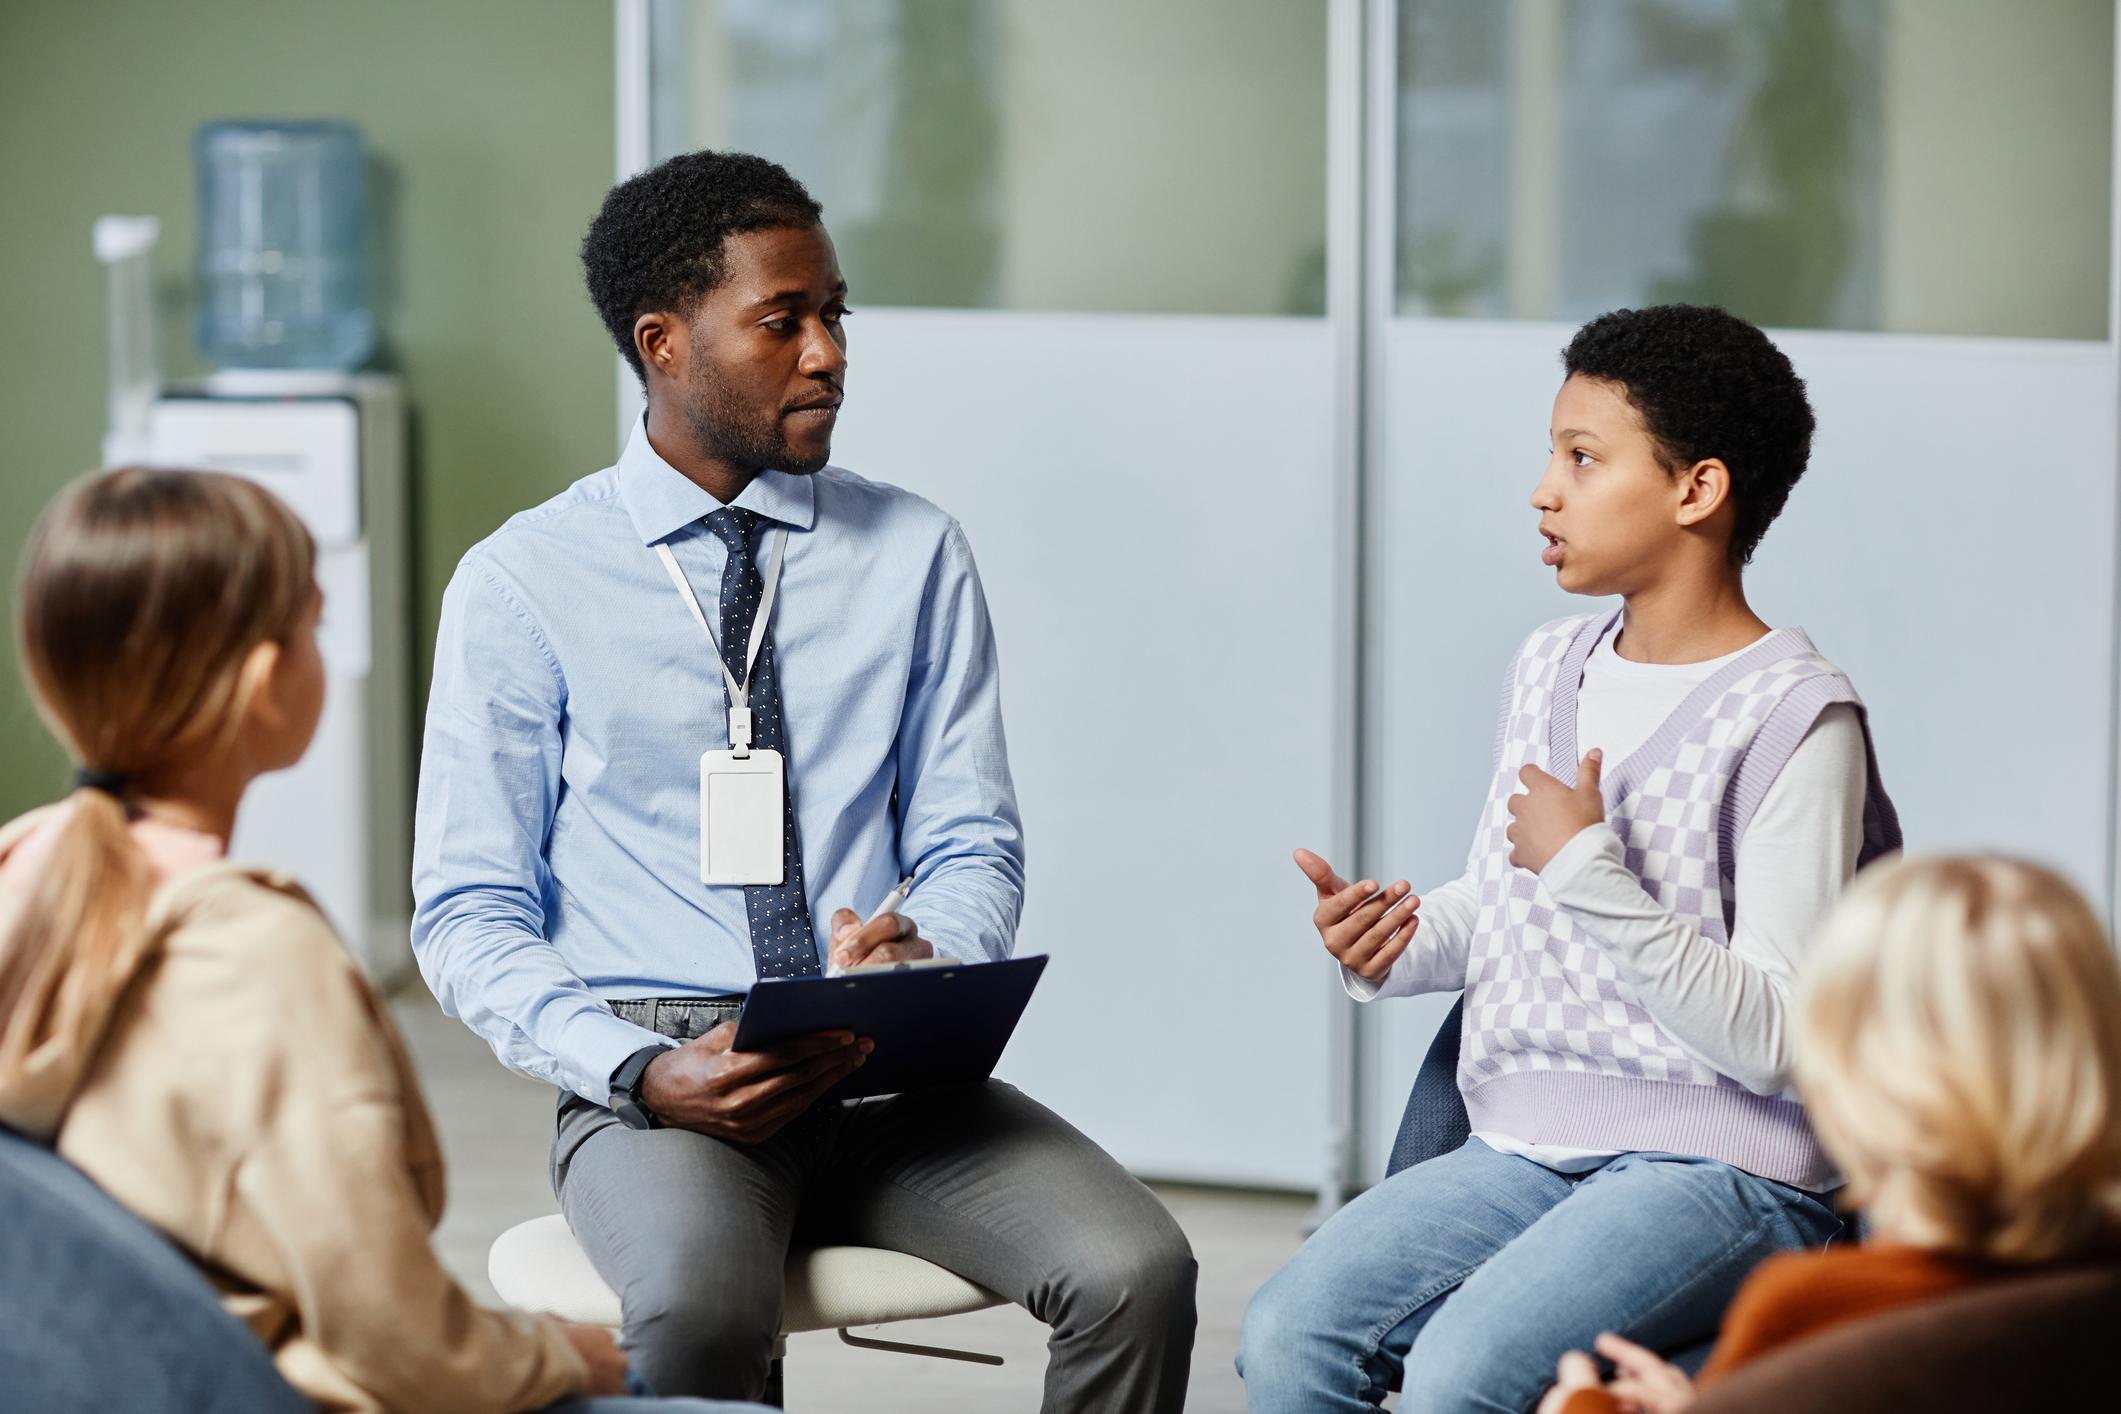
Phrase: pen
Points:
(893, 902)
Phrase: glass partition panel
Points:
(1889, 165)
(1010, 154)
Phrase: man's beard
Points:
(740, 435)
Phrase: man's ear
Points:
(663, 343)
(1704, 489)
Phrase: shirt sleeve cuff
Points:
(597, 1045)
(1586, 850)
(1357, 986)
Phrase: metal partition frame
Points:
(2112, 901)
(1349, 123)
(631, 102)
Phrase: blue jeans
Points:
(1470, 1274)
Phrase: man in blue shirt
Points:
(558, 854)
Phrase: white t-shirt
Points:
(1728, 1007)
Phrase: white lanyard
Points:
(739, 690)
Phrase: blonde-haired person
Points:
(1959, 1049)
(188, 1031)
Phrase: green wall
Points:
(491, 125)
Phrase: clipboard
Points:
(931, 1025)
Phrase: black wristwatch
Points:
(626, 1100)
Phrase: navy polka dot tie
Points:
(782, 941)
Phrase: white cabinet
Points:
(333, 448)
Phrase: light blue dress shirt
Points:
(556, 852)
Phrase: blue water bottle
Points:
(283, 226)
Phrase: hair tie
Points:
(111, 783)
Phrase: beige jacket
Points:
(241, 1088)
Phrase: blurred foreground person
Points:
(188, 1031)
(1959, 1047)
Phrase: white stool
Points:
(538, 1266)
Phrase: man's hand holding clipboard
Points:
(930, 1020)
(934, 1031)
(747, 1096)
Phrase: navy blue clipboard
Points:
(931, 1025)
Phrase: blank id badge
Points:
(741, 818)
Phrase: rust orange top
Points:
(1802, 1293)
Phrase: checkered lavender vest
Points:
(1557, 1049)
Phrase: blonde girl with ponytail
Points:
(190, 1032)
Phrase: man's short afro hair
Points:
(657, 242)
(1707, 384)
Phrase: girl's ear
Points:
(258, 686)
(1704, 488)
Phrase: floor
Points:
(495, 1127)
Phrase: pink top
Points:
(170, 849)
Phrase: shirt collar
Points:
(662, 500)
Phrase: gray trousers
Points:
(693, 1232)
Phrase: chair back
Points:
(1434, 1121)
(99, 1312)
(2026, 1342)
